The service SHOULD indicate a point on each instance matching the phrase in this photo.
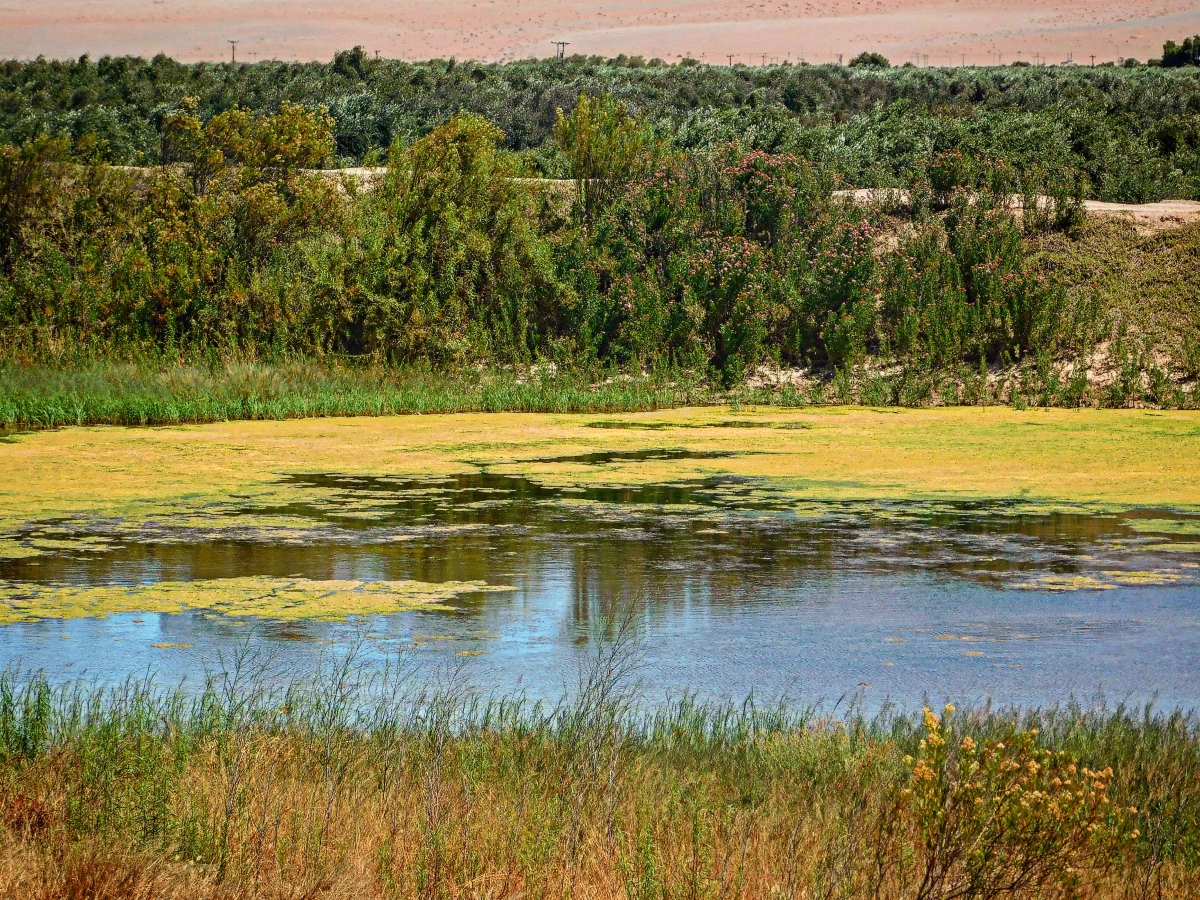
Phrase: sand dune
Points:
(934, 32)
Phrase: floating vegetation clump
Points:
(963, 492)
(1154, 577)
(1059, 583)
(259, 596)
(1167, 526)
(650, 425)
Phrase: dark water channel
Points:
(734, 588)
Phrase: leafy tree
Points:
(25, 179)
(871, 60)
(445, 260)
(605, 147)
(273, 146)
(1185, 54)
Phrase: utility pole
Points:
(562, 49)
(730, 55)
(839, 59)
(764, 58)
(1093, 60)
(233, 50)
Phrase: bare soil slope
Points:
(936, 32)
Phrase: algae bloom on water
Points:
(260, 596)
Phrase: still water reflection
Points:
(737, 588)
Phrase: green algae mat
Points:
(1130, 457)
(85, 490)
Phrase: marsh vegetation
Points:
(623, 236)
(353, 784)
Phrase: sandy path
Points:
(945, 31)
(1147, 216)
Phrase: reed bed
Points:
(152, 393)
(370, 782)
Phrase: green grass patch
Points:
(42, 396)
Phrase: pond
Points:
(729, 583)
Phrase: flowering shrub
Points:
(714, 261)
(723, 259)
(964, 291)
(1001, 819)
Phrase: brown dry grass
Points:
(631, 828)
(249, 793)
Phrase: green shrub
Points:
(867, 58)
(25, 179)
(963, 291)
(444, 261)
(605, 148)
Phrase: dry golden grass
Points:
(321, 792)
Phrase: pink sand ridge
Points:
(928, 32)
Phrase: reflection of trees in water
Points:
(707, 542)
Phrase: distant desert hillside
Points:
(933, 32)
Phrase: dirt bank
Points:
(930, 32)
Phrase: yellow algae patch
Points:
(201, 476)
(167, 646)
(1137, 578)
(1058, 583)
(1166, 526)
(10, 549)
(260, 596)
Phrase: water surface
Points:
(732, 588)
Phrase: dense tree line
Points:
(1133, 133)
(710, 259)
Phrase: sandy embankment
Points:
(933, 32)
(1147, 216)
